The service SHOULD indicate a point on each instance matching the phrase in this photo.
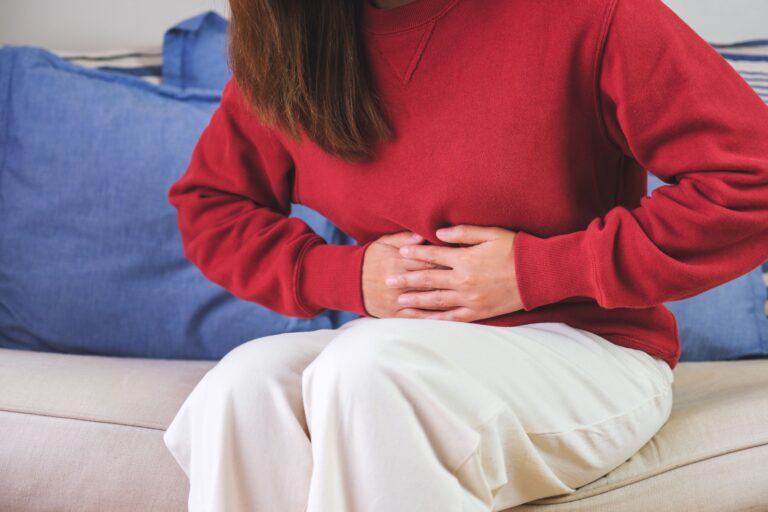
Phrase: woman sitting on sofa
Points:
(491, 159)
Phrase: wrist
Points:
(329, 276)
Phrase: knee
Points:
(356, 361)
(247, 370)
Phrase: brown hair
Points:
(303, 62)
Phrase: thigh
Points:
(241, 434)
(585, 403)
(262, 372)
(555, 376)
(287, 352)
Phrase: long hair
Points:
(303, 63)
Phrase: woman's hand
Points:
(381, 259)
(475, 282)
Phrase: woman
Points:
(522, 353)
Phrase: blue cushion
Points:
(194, 52)
(725, 322)
(91, 259)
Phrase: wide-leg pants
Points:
(414, 415)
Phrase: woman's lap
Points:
(517, 413)
(556, 376)
(585, 403)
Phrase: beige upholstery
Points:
(84, 433)
(712, 454)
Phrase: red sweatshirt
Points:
(539, 117)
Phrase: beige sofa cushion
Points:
(124, 391)
(85, 433)
(711, 455)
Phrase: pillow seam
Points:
(7, 125)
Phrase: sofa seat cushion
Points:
(712, 454)
(85, 432)
(82, 432)
(144, 393)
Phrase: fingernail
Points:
(415, 236)
(392, 280)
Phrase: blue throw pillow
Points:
(91, 259)
(725, 322)
(195, 52)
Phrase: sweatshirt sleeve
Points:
(232, 206)
(669, 101)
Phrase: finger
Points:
(413, 313)
(468, 234)
(420, 265)
(459, 314)
(401, 238)
(431, 299)
(432, 253)
(420, 279)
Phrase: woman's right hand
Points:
(381, 259)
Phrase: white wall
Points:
(95, 24)
(102, 24)
(724, 21)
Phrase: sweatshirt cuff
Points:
(549, 270)
(329, 276)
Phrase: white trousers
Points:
(414, 415)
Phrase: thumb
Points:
(467, 234)
(401, 238)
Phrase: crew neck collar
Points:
(403, 17)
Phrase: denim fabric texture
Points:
(91, 260)
(194, 52)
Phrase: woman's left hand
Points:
(479, 281)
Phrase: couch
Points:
(84, 433)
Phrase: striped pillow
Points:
(145, 63)
(750, 59)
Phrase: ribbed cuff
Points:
(551, 269)
(330, 277)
